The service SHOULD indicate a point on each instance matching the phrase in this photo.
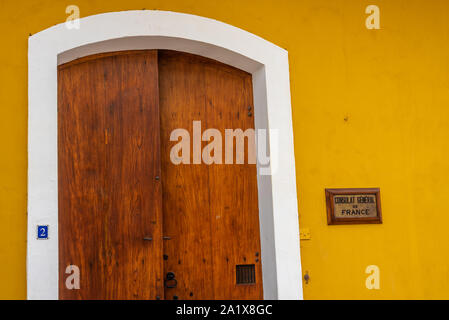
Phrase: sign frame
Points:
(333, 220)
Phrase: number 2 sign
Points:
(42, 232)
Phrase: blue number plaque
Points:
(42, 232)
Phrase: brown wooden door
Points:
(118, 185)
(210, 211)
(109, 197)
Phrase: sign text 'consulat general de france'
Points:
(351, 206)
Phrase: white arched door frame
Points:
(147, 29)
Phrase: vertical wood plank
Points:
(210, 211)
(185, 186)
(109, 199)
(233, 187)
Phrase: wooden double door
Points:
(135, 224)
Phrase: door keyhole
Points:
(170, 281)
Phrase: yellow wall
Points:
(391, 86)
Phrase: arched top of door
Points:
(152, 29)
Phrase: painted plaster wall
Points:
(370, 109)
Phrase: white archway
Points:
(147, 29)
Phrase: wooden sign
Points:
(353, 206)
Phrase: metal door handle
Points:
(150, 238)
